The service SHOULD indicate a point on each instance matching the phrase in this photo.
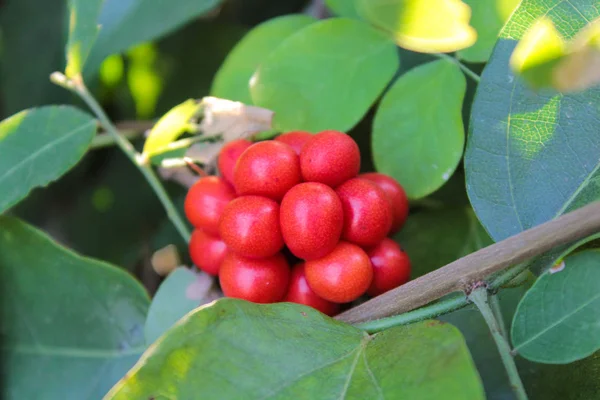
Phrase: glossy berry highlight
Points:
(229, 155)
(268, 169)
(395, 194)
(342, 276)
(260, 281)
(205, 202)
(312, 219)
(207, 252)
(391, 267)
(250, 227)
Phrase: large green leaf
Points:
(433, 239)
(38, 146)
(235, 349)
(83, 30)
(71, 326)
(558, 320)
(532, 156)
(233, 78)
(126, 23)
(326, 76)
(418, 133)
(487, 17)
(181, 292)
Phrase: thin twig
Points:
(497, 311)
(479, 265)
(77, 86)
(479, 297)
(103, 140)
(462, 66)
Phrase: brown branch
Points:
(457, 275)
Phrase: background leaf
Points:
(233, 78)
(181, 292)
(427, 26)
(291, 351)
(488, 18)
(418, 133)
(38, 146)
(326, 76)
(558, 320)
(343, 8)
(125, 24)
(435, 238)
(531, 156)
(83, 30)
(71, 326)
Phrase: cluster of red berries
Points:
(298, 200)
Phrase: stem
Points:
(462, 66)
(431, 311)
(497, 311)
(76, 85)
(508, 275)
(479, 296)
(106, 140)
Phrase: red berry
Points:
(259, 281)
(207, 252)
(311, 219)
(205, 202)
(395, 194)
(367, 212)
(250, 227)
(295, 140)
(330, 157)
(268, 168)
(342, 276)
(299, 292)
(228, 156)
(391, 267)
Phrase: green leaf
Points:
(558, 320)
(531, 156)
(488, 18)
(71, 326)
(433, 239)
(233, 78)
(170, 126)
(290, 351)
(426, 26)
(182, 291)
(325, 77)
(343, 8)
(418, 133)
(124, 24)
(38, 146)
(83, 30)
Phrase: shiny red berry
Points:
(296, 139)
(207, 252)
(367, 212)
(205, 201)
(259, 281)
(228, 156)
(342, 276)
(312, 219)
(268, 169)
(250, 227)
(395, 193)
(330, 157)
(299, 292)
(391, 267)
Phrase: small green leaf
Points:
(343, 8)
(83, 30)
(287, 351)
(170, 126)
(181, 292)
(426, 26)
(488, 17)
(127, 23)
(558, 320)
(233, 78)
(325, 76)
(433, 239)
(38, 146)
(418, 133)
(71, 326)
